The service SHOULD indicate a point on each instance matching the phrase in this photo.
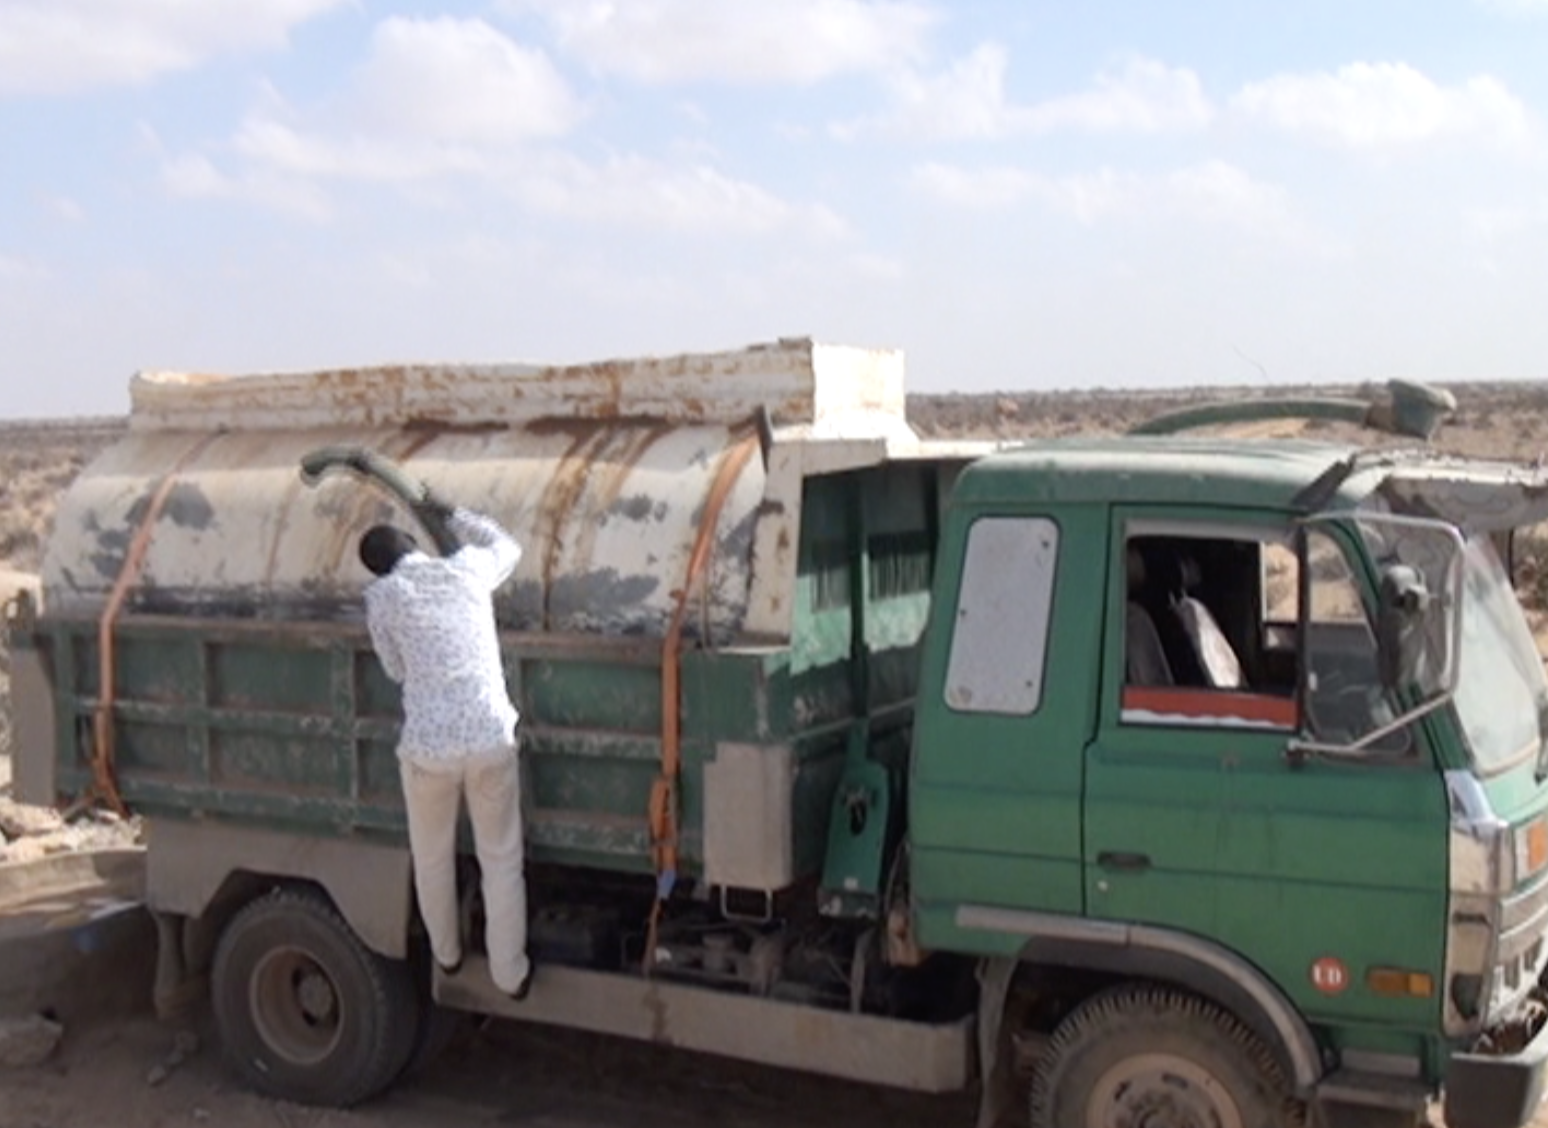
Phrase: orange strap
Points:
(104, 785)
(663, 793)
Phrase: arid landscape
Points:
(622, 1085)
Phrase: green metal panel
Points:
(296, 724)
(995, 798)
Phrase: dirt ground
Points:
(500, 1073)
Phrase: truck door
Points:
(1006, 703)
(1325, 874)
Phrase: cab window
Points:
(1216, 628)
(1199, 643)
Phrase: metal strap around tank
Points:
(104, 780)
(664, 792)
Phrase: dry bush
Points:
(1531, 567)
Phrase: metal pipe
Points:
(1413, 410)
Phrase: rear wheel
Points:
(1140, 1055)
(306, 1011)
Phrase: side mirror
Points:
(1404, 614)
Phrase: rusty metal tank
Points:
(599, 470)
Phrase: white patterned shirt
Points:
(433, 627)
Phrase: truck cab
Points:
(1263, 721)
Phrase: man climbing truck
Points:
(1203, 779)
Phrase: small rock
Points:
(184, 1045)
(201, 1114)
(28, 1041)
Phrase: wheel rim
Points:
(295, 1006)
(1160, 1091)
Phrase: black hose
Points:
(431, 512)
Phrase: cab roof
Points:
(1246, 473)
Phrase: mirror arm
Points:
(1299, 751)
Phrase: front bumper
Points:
(1497, 1090)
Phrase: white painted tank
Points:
(600, 470)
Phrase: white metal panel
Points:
(748, 808)
(795, 381)
(1001, 632)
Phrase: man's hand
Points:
(434, 507)
(435, 514)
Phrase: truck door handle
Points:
(1119, 860)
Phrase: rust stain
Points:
(615, 473)
(560, 495)
(449, 427)
(288, 501)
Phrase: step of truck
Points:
(932, 1058)
(1374, 1090)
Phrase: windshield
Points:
(1501, 690)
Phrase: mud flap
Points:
(998, 1106)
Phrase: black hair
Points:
(383, 546)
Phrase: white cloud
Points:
(976, 188)
(1504, 223)
(350, 155)
(194, 177)
(738, 41)
(634, 190)
(14, 268)
(65, 209)
(1372, 105)
(61, 46)
(444, 101)
(434, 97)
(965, 100)
(1145, 97)
(968, 100)
(1213, 192)
(459, 81)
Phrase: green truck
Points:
(1144, 780)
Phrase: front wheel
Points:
(1148, 1055)
(305, 1011)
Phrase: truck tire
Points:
(1141, 1054)
(305, 1011)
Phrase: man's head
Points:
(383, 546)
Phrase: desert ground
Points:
(140, 1074)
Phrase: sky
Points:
(1032, 195)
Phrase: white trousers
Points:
(432, 794)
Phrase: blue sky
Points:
(1020, 195)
